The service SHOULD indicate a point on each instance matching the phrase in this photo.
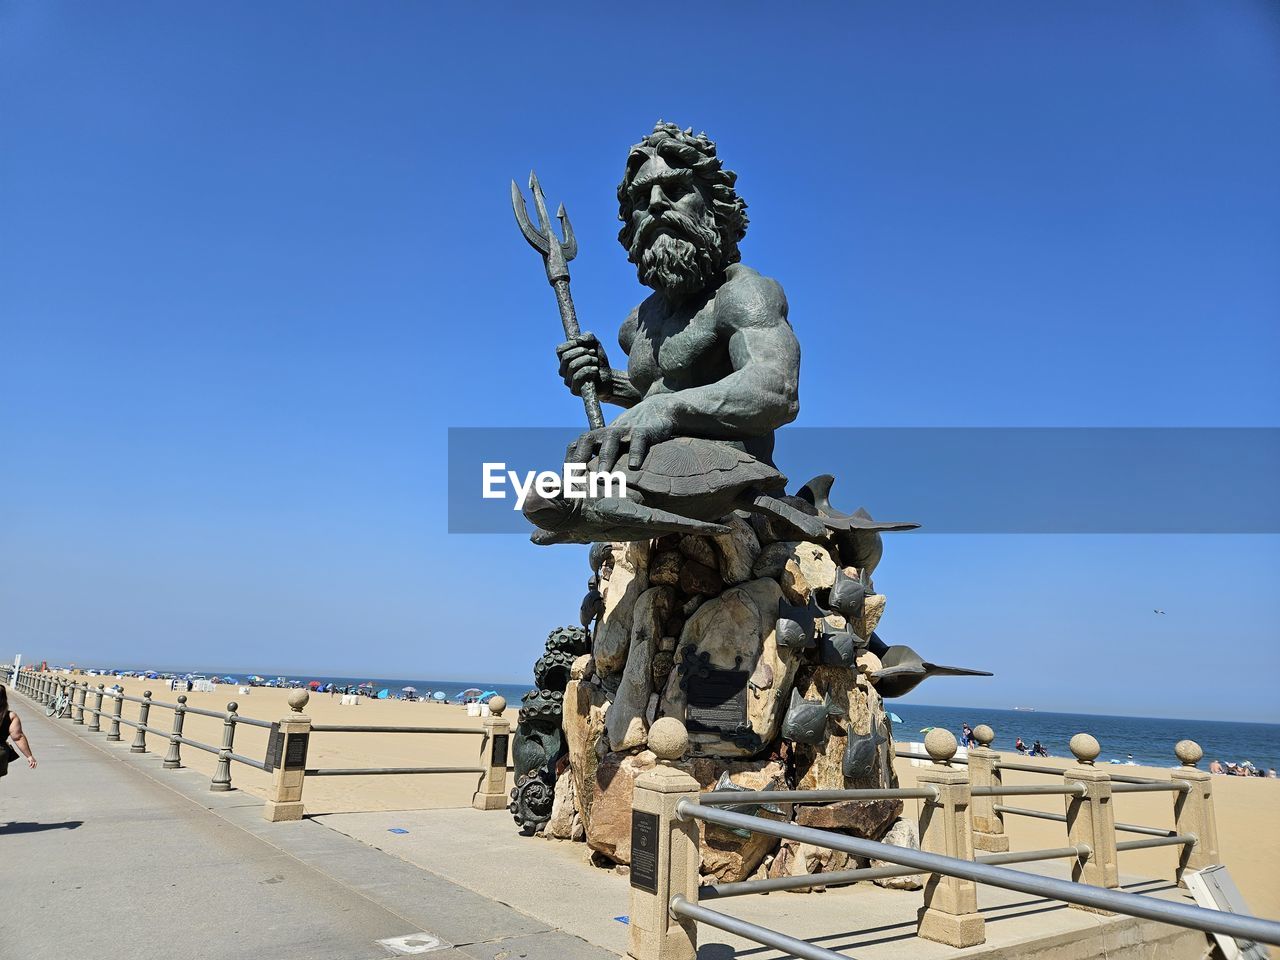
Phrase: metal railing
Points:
(287, 746)
(961, 845)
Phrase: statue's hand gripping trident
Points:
(556, 256)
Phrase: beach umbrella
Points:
(383, 694)
(314, 684)
(926, 729)
(486, 695)
(469, 692)
(439, 695)
(893, 717)
(408, 689)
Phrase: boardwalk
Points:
(104, 857)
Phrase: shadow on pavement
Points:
(21, 827)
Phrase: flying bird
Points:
(1161, 612)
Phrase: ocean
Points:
(1150, 740)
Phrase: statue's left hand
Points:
(638, 429)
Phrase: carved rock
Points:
(699, 549)
(738, 550)
(696, 578)
(796, 859)
(821, 767)
(626, 720)
(736, 631)
(586, 707)
(628, 580)
(794, 586)
(903, 834)
(564, 814)
(608, 816)
(861, 818)
(815, 562)
(665, 568)
(727, 856)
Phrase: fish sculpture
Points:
(796, 629)
(861, 752)
(847, 596)
(857, 535)
(806, 720)
(840, 648)
(902, 669)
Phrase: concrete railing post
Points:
(950, 911)
(46, 687)
(113, 733)
(284, 799)
(984, 771)
(494, 751)
(173, 759)
(1091, 819)
(139, 744)
(222, 772)
(96, 723)
(1193, 812)
(81, 691)
(665, 859)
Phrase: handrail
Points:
(1101, 898)
(1177, 840)
(1031, 790)
(734, 797)
(770, 938)
(1116, 778)
(386, 771)
(358, 728)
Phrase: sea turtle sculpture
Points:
(685, 485)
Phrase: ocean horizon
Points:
(1147, 740)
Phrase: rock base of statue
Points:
(757, 642)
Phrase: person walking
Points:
(11, 728)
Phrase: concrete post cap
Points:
(984, 734)
(1085, 748)
(668, 738)
(497, 705)
(940, 744)
(298, 699)
(1188, 752)
(232, 707)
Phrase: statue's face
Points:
(675, 244)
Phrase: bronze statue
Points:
(712, 367)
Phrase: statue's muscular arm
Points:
(762, 392)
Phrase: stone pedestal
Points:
(284, 800)
(950, 912)
(495, 753)
(1091, 819)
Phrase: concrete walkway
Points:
(105, 854)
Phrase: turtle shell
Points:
(690, 466)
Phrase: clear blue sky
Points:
(257, 258)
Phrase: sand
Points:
(1248, 809)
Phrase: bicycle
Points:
(59, 706)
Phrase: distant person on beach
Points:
(1020, 745)
(1215, 767)
(1038, 750)
(966, 735)
(11, 727)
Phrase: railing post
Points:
(77, 705)
(222, 772)
(173, 759)
(1193, 812)
(984, 771)
(140, 735)
(113, 733)
(950, 911)
(284, 800)
(1091, 820)
(494, 750)
(96, 723)
(665, 858)
(46, 688)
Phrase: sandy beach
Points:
(1248, 809)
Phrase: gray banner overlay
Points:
(963, 480)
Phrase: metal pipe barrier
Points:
(668, 805)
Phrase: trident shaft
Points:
(556, 256)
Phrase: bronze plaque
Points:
(644, 851)
(295, 751)
(500, 743)
(274, 744)
(717, 700)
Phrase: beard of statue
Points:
(680, 260)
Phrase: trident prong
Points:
(555, 253)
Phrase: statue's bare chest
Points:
(676, 349)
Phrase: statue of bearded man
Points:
(712, 366)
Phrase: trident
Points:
(556, 257)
